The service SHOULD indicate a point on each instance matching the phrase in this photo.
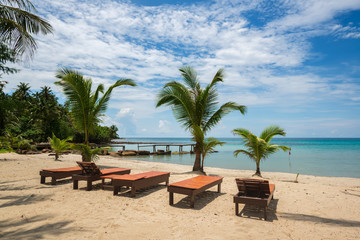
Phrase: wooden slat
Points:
(69, 169)
(196, 182)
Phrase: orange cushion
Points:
(112, 170)
(196, 182)
(69, 169)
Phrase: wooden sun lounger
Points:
(58, 173)
(91, 172)
(254, 192)
(193, 186)
(137, 181)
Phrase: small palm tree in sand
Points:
(260, 148)
(58, 145)
(88, 154)
(208, 147)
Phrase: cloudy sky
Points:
(295, 63)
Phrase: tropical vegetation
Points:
(18, 25)
(35, 115)
(260, 148)
(59, 145)
(88, 154)
(195, 108)
(86, 107)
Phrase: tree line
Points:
(36, 115)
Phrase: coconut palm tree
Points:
(86, 107)
(88, 154)
(259, 148)
(18, 24)
(209, 147)
(195, 107)
(58, 145)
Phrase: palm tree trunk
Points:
(197, 163)
(86, 136)
(258, 173)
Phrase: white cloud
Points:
(117, 39)
(164, 126)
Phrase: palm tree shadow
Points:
(316, 219)
(20, 228)
(23, 200)
(255, 212)
(201, 200)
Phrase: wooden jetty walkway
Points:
(154, 145)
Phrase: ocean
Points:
(336, 157)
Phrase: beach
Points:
(314, 208)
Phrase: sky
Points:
(293, 63)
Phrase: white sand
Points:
(314, 208)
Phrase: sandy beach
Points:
(314, 208)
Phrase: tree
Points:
(259, 148)
(18, 24)
(86, 107)
(208, 147)
(7, 55)
(58, 145)
(88, 154)
(195, 107)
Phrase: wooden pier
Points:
(154, 145)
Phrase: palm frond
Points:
(272, 131)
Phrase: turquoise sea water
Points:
(337, 157)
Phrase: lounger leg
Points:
(236, 209)
(89, 185)
(116, 190)
(192, 200)
(167, 182)
(171, 198)
(42, 180)
(219, 188)
(53, 181)
(133, 191)
(75, 184)
(265, 213)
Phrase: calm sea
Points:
(338, 157)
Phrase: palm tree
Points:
(18, 24)
(88, 154)
(58, 145)
(86, 107)
(195, 107)
(208, 147)
(260, 148)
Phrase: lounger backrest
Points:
(89, 168)
(253, 187)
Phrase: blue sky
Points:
(292, 63)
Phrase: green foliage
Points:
(58, 145)
(259, 148)
(7, 55)
(19, 24)
(88, 154)
(196, 108)
(24, 144)
(86, 107)
(209, 147)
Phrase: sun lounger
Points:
(193, 186)
(137, 181)
(58, 173)
(256, 192)
(91, 172)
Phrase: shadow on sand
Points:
(201, 200)
(23, 200)
(255, 212)
(316, 219)
(19, 228)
